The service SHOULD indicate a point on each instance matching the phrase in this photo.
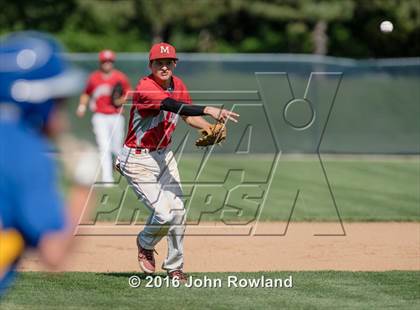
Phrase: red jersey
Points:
(99, 87)
(149, 127)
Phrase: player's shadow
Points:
(141, 275)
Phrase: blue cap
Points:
(33, 72)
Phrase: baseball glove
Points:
(215, 134)
(116, 95)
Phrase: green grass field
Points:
(311, 290)
(364, 190)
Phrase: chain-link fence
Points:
(349, 106)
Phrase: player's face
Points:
(163, 68)
(58, 122)
(107, 66)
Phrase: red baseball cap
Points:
(106, 55)
(162, 50)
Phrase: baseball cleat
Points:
(146, 260)
(178, 274)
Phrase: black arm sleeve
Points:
(181, 108)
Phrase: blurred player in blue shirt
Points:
(34, 80)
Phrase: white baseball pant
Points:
(155, 179)
(109, 133)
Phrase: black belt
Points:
(139, 150)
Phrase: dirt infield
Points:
(365, 247)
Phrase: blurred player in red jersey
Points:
(148, 163)
(107, 121)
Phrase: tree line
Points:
(346, 28)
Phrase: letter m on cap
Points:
(164, 49)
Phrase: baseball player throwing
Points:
(107, 121)
(148, 163)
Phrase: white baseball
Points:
(386, 26)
